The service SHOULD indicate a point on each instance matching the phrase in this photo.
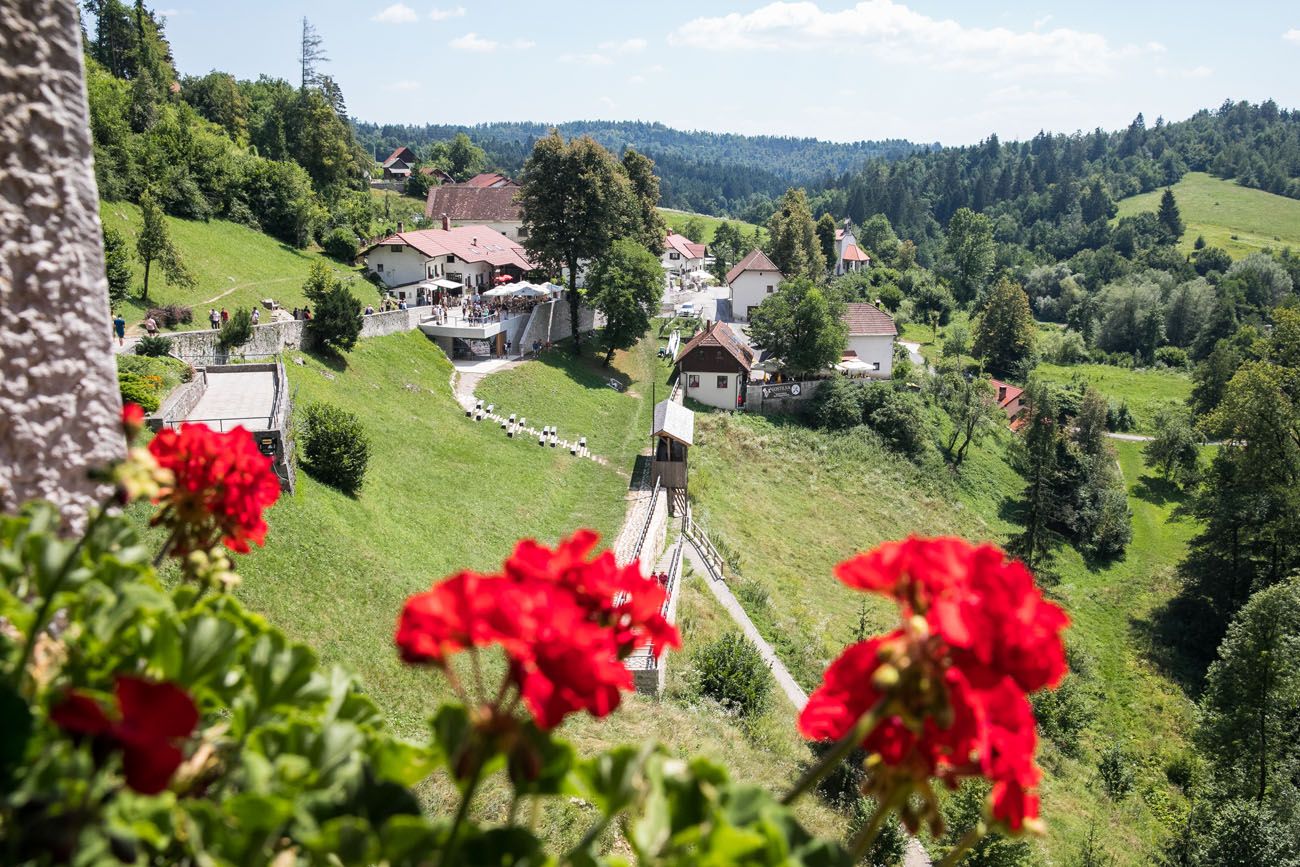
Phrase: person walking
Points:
(119, 328)
(151, 326)
(225, 316)
(257, 315)
(214, 318)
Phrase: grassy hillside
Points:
(234, 266)
(1228, 215)
(677, 220)
(1145, 391)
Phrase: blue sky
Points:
(833, 69)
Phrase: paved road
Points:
(236, 397)
(1131, 438)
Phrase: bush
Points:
(153, 346)
(1119, 418)
(837, 404)
(1116, 770)
(1171, 356)
(341, 244)
(237, 331)
(1063, 713)
(732, 672)
(896, 416)
(167, 371)
(171, 315)
(336, 319)
(141, 389)
(335, 446)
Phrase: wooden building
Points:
(673, 432)
(714, 367)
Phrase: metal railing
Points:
(692, 530)
(649, 519)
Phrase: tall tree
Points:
(336, 320)
(826, 236)
(1175, 448)
(576, 200)
(649, 229)
(969, 404)
(932, 303)
(1169, 217)
(155, 245)
(968, 253)
(626, 285)
(1004, 331)
(465, 158)
(311, 55)
(1036, 454)
(801, 325)
(794, 247)
(117, 265)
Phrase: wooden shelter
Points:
(673, 432)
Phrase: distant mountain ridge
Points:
(709, 172)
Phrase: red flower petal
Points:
(148, 769)
(80, 714)
(152, 711)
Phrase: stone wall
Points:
(549, 323)
(276, 337)
(60, 411)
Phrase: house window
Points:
(770, 290)
(395, 248)
(379, 268)
(693, 381)
(875, 365)
(451, 258)
(674, 256)
(522, 233)
(430, 272)
(722, 381)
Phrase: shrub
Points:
(341, 244)
(237, 331)
(837, 404)
(1171, 356)
(153, 346)
(171, 315)
(336, 319)
(138, 388)
(1182, 770)
(1116, 770)
(1063, 713)
(732, 672)
(335, 446)
(896, 416)
(168, 371)
(1119, 418)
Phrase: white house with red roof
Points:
(471, 256)
(870, 346)
(681, 254)
(1010, 400)
(714, 366)
(751, 280)
(850, 256)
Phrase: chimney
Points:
(401, 227)
(474, 242)
(446, 223)
(1002, 393)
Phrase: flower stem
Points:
(845, 745)
(448, 851)
(964, 845)
(870, 831)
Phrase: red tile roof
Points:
(755, 260)
(853, 254)
(685, 246)
(489, 179)
(468, 243)
(473, 204)
(868, 319)
(718, 334)
(1007, 393)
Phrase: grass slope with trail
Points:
(1239, 219)
(677, 221)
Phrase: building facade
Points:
(714, 367)
(751, 280)
(871, 339)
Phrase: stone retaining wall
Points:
(785, 405)
(273, 338)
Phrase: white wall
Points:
(749, 289)
(708, 392)
(874, 349)
(509, 228)
(407, 266)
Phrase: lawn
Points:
(788, 503)
(677, 220)
(1228, 215)
(1145, 391)
(234, 266)
(575, 395)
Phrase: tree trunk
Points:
(574, 325)
(144, 296)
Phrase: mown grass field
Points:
(677, 220)
(234, 267)
(1228, 215)
(1145, 391)
(788, 504)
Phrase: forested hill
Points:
(1055, 192)
(717, 173)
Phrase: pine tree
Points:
(311, 54)
(1004, 331)
(794, 247)
(1169, 217)
(826, 237)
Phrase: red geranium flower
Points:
(223, 484)
(151, 718)
(132, 418)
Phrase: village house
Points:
(399, 164)
(849, 256)
(442, 177)
(1010, 401)
(682, 255)
(869, 349)
(714, 367)
(490, 181)
(751, 280)
(497, 208)
(469, 257)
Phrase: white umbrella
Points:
(502, 291)
(528, 290)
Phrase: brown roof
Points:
(404, 153)
(756, 260)
(868, 319)
(473, 204)
(469, 243)
(852, 253)
(718, 334)
(685, 246)
(1007, 393)
(489, 180)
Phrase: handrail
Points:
(712, 559)
(649, 519)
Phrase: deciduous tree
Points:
(968, 253)
(826, 236)
(155, 245)
(649, 229)
(1004, 330)
(801, 325)
(626, 285)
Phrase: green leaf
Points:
(345, 839)
(407, 840)
(16, 723)
(207, 648)
(538, 763)
(401, 762)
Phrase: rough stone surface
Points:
(59, 404)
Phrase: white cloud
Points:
(626, 46)
(1156, 47)
(607, 103)
(521, 44)
(406, 85)
(1040, 23)
(896, 32)
(1198, 72)
(398, 13)
(1292, 35)
(438, 14)
(594, 58)
(473, 42)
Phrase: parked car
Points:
(686, 308)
